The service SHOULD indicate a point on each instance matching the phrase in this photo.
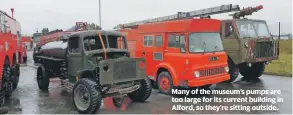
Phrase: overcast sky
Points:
(62, 14)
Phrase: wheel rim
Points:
(82, 97)
(164, 83)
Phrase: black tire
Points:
(165, 76)
(2, 99)
(42, 78)
(143, 93)
(24, 59)
(233, 71)
(253, 72)
(205, 86)
(6, 75)
(16, 73)
(95, 96)
(154, 84)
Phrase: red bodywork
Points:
(9, 36)
(23, 49)
(79, 26)
(52, 37)
(180, 65)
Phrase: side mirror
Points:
(177, 39)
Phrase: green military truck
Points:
(249, 44)
(93, 65)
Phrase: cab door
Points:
(147, 53)
(230, 40)
(158, 53)
(175, 51)
(74, 56)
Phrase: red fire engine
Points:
(9, 62)
(26, 43)
(180, 51)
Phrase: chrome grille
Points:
(124, 70)
(213, 71)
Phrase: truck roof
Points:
(195, 25)
(259, 20)
(95, 33)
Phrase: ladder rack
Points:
(185, 15)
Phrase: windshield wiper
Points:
(216, 49)
(203, 47)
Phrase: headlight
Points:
(246, 45)
(196, 74)
(227, 69)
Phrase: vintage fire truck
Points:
(9, 62)
(180, 51)
(247, 42)
(26, 44)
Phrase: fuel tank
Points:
(55, 49)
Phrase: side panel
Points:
(131, 47)
(74, 56)
(172, 54)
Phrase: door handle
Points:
(143, 53)
(165, 50)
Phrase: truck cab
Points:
(92, 67)
(249, 45)
(182, 53)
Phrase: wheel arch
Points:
(167, 67)
(86, 74)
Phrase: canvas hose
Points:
(105, 52)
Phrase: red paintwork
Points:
(52, 37)
(8, 38)
(22, 49)
(181, 66)
(79, 26)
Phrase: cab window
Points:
(159, 41)
(74, 45)
(229, 30)
(148, 41)
(176, 41)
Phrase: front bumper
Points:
(208, 81)
(262, 59)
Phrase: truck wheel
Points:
(16, 75)
(165, 83)
(2, 99)
(6, 75)
(42, 78)
(86, 98)
(233, 71)
(253, 72)
(24, 59)
(154, 84)
(143, 93)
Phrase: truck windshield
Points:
(246, 29)
(261, 29)
(205, 42)
(94, 42)
(252, 29)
